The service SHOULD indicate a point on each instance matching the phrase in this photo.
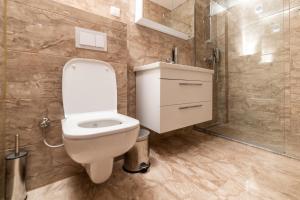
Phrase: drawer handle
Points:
(187, 107)
(199, 84)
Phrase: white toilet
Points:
(94, 133)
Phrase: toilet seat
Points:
(72, 129)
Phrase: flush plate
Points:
(90, 39)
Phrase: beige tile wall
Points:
(202, 46)
(40, 40)
(263, 98)
(2, 81)
(146, 46)
(100, 7)
(154, 11)
(293, 133)
(181, 18)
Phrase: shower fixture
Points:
(214, 60)
(216, 55)
(259, 9)
(44, 124)
(275, 28)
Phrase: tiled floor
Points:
(191, 166)
(269, 139)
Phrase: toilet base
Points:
(100, 170)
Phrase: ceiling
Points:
(169, 4)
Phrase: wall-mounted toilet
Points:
(94, 133)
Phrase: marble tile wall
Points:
(100, 7)
(144, 45)
(154, 11)
(256, 84)
(262, 74)
(204, 44)
(180, 18)
(2, 81)
(254, 88)
(40, 40)
(293, 133)
(202, 47)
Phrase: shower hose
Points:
(47, 144)
(44, 124)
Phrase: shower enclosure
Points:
(257, 84)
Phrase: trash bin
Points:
(137, 158)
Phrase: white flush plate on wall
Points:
(90, 39)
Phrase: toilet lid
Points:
(88, 86)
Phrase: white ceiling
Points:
(169, 4)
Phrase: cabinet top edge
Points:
(165, 65)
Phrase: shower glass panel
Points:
(250, 91)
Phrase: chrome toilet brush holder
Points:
(15, 174)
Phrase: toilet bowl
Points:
(94, 133)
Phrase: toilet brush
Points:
(15, 173)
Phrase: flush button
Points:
(90, 39)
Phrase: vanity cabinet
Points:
(172, 96)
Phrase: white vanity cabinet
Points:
(173, 96)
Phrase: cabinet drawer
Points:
(182, 91)
(185, 75)
(179, 116)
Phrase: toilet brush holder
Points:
(15, 174)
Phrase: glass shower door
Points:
(250, 91)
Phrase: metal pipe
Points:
(17, 144)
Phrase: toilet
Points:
(94, 133)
